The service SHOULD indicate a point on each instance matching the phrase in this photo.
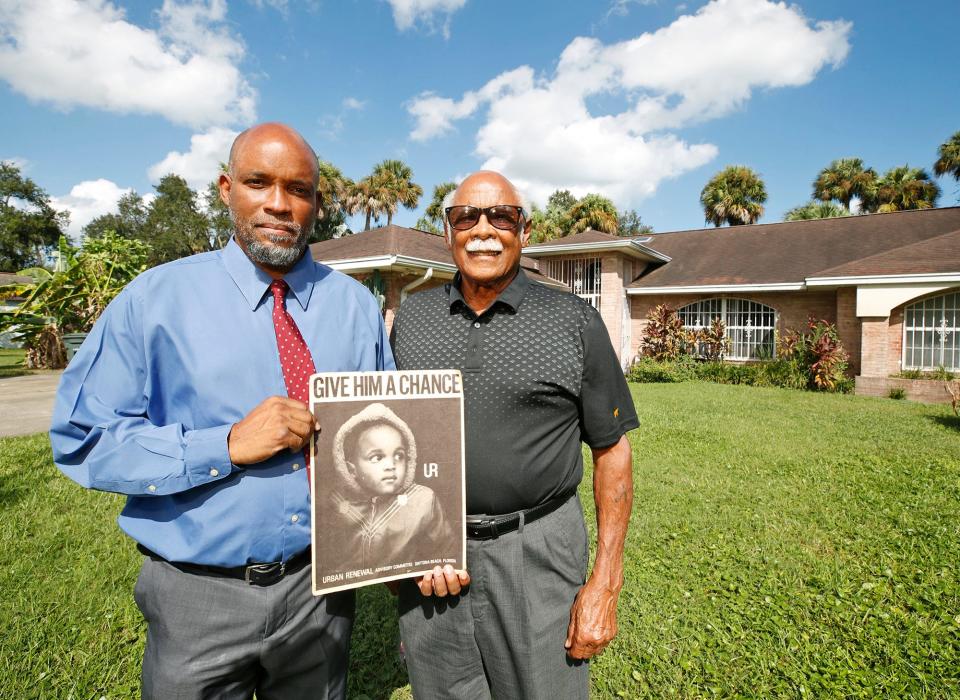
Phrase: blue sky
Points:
(641, 100)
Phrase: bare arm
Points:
(593, 618)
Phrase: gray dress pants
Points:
(503, 637)
(215, 637)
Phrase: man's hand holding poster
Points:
(387, 486)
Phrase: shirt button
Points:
(152, 488)
(477, 324)
(296, 467)
(294, 518)
(214, 472)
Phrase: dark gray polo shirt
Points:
(539, 376)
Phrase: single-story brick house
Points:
(891, 282)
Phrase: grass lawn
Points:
(11, 362)
(783, 544)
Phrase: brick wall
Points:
(793, 308)
(611, 296)
(848, 325)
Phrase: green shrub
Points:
(646, 370)
(911, 374)
(897, 393)
(786, 373)
(940, 374)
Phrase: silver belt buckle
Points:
(264, 573)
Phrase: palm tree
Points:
(432, 220)
(396, 179)
(369, 197)
(734, 196)
(905, 188)
(816, 210)
(591, 211)
(333, 186)
(843, 180)
(949, 160)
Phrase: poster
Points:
(387, 486)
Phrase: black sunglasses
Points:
(505, 217)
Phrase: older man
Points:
(540, 376)
(189, 397)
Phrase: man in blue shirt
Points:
(177, 399)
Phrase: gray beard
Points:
(270, 254)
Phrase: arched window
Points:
(930, 330)
(751, 326)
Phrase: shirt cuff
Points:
(206, 456)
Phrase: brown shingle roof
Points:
(388, 240)
(588, 236)
(934, 255)
(789, 251)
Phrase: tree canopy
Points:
(175, 227)
(816, 210)
(432, 220)
(565, 215)
(394, 179)
(28, 223)
(843, 180)
(948, 162)
(733, 196)
(903, 188)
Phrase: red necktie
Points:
(295, 359)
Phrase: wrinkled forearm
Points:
(613, 495)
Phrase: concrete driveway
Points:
(26, 403)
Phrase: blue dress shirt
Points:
(185, 351)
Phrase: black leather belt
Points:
(488, 527)
(263, 574)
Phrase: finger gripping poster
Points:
(387, 486)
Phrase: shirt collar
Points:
(511, 296)
(253, 282)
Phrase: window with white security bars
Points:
(750, 326)
(581, 275)
(930, 330)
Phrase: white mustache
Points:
(489, 245)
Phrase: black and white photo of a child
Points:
(379, 512)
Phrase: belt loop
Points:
(520, 526)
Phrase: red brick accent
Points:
(793, 308)
(922, 390)
(848, 326)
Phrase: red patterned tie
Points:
(295, 359)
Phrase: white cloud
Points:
(201, 164)
(332, 124)
(85, 53)
(426, 13)
(543, 134)
(87, 201)
(280, 6)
